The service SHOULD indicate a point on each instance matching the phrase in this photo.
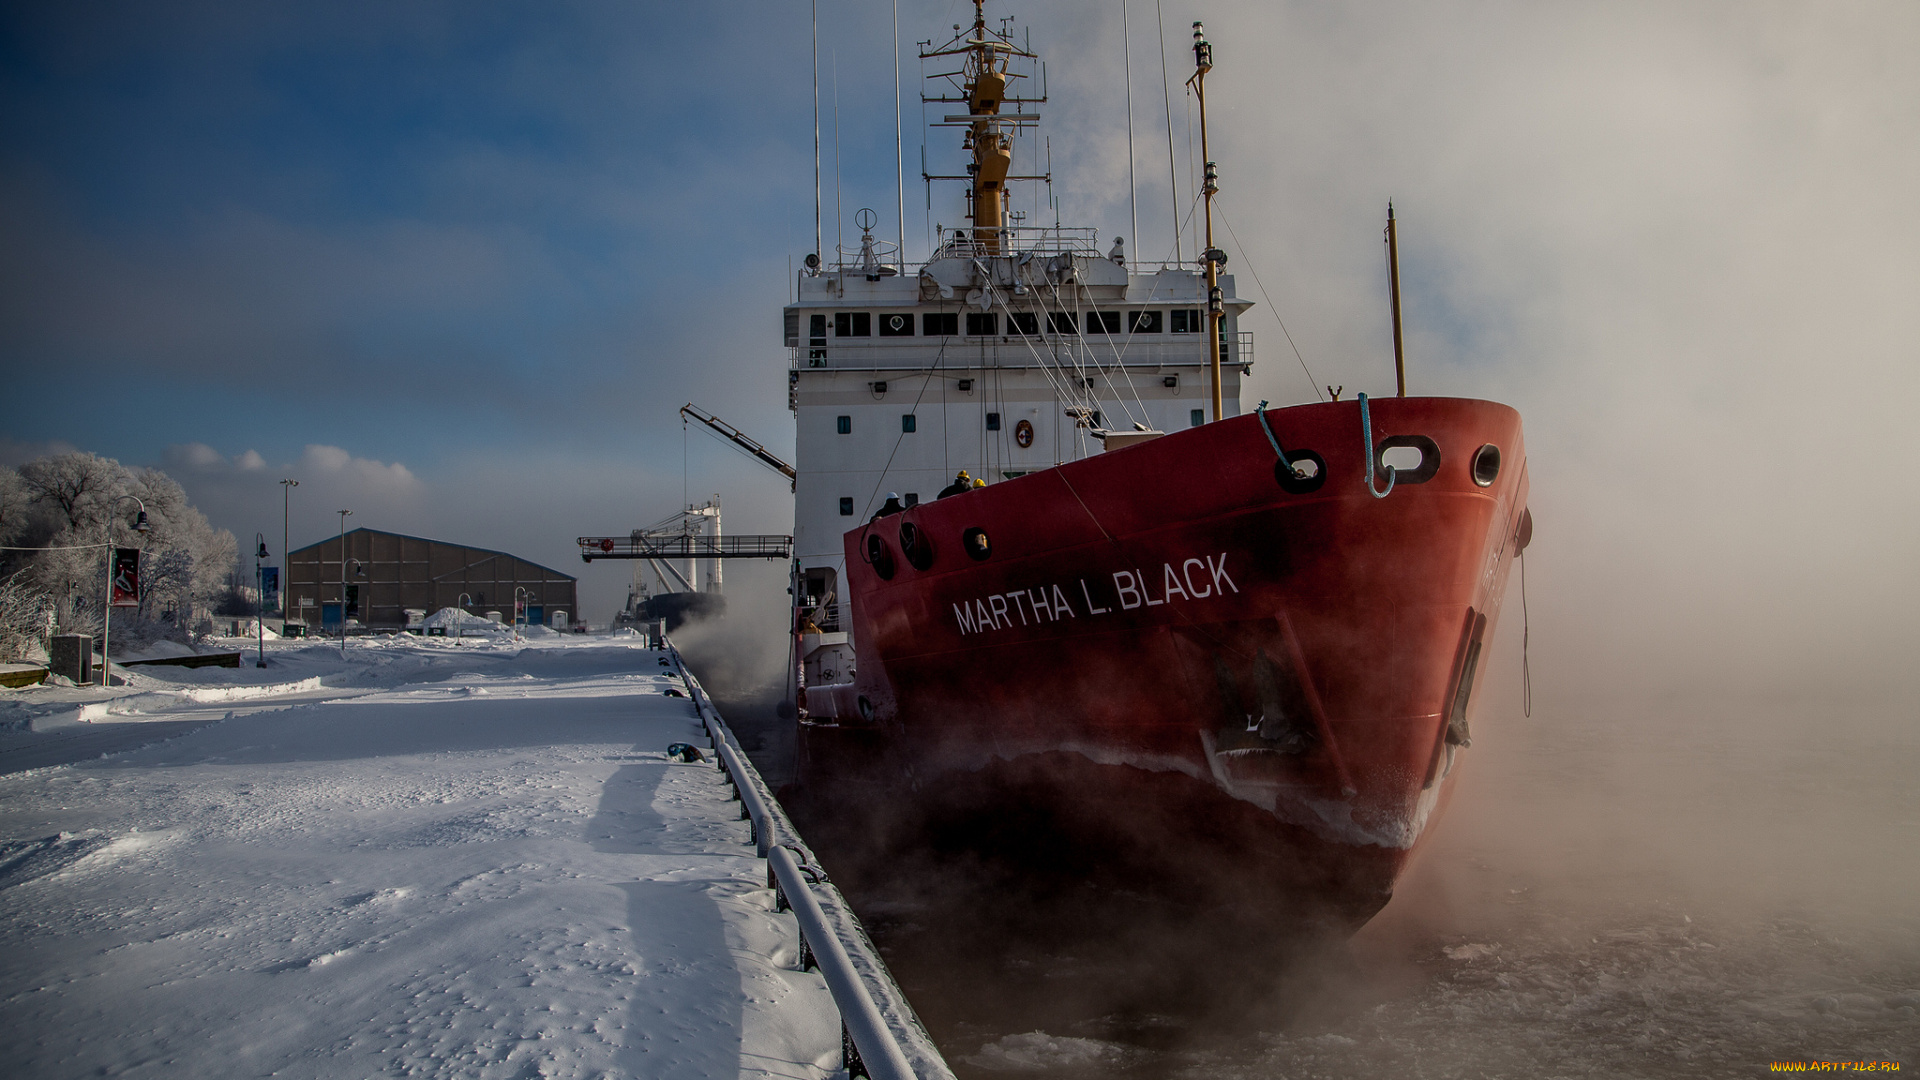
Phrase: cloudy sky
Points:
(455, 266)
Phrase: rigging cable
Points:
(1318, 396)
(1526, 633)
(939, 364)
(1166, 98)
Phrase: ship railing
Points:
(824, 619)
(1013, 239)
(1138, 352)
(880, 1035)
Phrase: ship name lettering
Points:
(1170, 584)
(998, 603)
(1220, 573)
(1060, 604)
(1195, 590)
(1019, 596)
(996, 611)
(1091, 610)
(1131, 585)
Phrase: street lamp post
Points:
(260, 611)
(518, 609)
(106, 599)
(460, 628)
(343, 577)
(286, 547)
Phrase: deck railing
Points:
(880, 1035)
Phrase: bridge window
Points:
(1062, 322)
(1187, 321)
(1103, 322)
(843, 424)
(909, 423)
(982, 324)
(993, 421)
(1196, 418)
(896, 325)
(853, 324)
(791, 326)
(936, 323)
(1025, 323)
(846, 506)
(1146, 322)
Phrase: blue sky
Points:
(456, 266)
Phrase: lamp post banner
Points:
(269, 588)
(126, 577)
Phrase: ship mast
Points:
(989, 132)
(1213, 257)
(992, 148)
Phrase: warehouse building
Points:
(386, 574)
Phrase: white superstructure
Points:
(998, 364)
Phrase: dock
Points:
(416, 856)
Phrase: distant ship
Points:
(1246, 642)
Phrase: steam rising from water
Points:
(1675, 886)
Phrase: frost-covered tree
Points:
(70, 499)
(25, 614)
(75, 489)
(16, 503)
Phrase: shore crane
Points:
(741, 440)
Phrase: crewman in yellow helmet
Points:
(962, 483)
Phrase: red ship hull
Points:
(1189, 648)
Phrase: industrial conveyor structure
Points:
(639, 545)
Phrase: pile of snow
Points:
(456, 621)
(163, 649)
(538, 631)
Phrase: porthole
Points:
(879, 557)
(915, 545)
(1486, 465)
(977, 546)
(1302, 472)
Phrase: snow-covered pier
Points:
(410, 857)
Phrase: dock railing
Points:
(881, 1036)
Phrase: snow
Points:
(466, 622)
(407, 856)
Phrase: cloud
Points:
(15, 453)
(198, 457)
(195, 456)
(377, 478)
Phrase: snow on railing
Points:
(881, 1036)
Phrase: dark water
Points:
(1650, 889)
